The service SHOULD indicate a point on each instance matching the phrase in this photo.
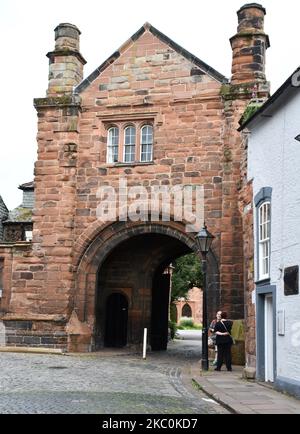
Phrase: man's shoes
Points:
(229, 370)
(217, 369)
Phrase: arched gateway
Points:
(130, 259)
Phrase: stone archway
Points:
(149, 248)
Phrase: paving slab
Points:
(244, 396)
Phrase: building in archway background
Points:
(155, 115)
(191, 306)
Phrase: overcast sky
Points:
(27, 34)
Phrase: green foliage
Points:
(249, 112)
(23, 214)
(187, 323)
(197, 327)
(233, 91)
(173, 329)
(173, 312)
(187, 274)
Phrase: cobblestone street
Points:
(104, 383)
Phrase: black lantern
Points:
(204, 240)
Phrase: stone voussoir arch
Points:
(108, 229)
(98, 245)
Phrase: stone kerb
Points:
(2, 334)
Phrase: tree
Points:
(187, 273)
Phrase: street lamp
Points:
(204, 240)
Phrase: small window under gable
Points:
(113, 145)
(147, 143)
(129, 144)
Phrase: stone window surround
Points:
(122, 125)
(264, 195)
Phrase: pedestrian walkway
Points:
(243, 396)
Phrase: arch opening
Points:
(131, 262)
(187, 311)
(135, 268)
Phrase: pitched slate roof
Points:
(23, 213)
(162, 37)
(27, 186)
(3, 215)
(3, 207)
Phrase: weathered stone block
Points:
(249, 373)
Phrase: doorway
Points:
(269, 337)
(265, 332)
(187, 311)
(116, 321)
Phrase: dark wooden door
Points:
(116, 321)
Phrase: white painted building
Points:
(274, 166)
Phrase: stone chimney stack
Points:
(65, 62)
(249, 45)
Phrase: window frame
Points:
(146, 144)
(122, 126)
(262, 199)
(111, 146)
(264, 239)
(126, 127)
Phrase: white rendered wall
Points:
(274, 161)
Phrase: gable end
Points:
(163, 38)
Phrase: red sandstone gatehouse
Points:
(154, 114)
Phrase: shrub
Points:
(186, 321)
(173, 312)
(172, 328)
